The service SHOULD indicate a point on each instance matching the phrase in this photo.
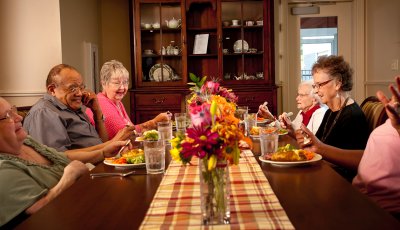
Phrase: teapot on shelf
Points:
(173, 23)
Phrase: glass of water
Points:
(180, 120)
(154, 153)
(268, 140)
(165, 130)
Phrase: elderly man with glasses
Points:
(59, 119)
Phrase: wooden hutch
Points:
(239, 51)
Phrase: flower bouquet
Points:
(214, 138)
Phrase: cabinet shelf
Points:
(212, 17)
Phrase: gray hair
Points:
(112, 68)
(309, 84)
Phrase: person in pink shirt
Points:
(114, 79)
(378, 172)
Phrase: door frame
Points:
(288, 57)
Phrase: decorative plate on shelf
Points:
(155, 73)
(239, 45)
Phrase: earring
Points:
(337, 94)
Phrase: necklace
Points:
(326, 134)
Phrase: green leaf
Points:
(193, 77)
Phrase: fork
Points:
(115, 174)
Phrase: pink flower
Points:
(210, 87)
(203, 143)
(200, 114)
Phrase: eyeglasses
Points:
(120, 83)
(10, 114)
(303, 95)
(319, 85)
(75, 88)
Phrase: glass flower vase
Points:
(214, 193)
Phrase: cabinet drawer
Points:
(158, 100)
(254, 99)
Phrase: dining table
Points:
(313, 196)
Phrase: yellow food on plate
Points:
(133, 156)
(255, 130)
(288, 153)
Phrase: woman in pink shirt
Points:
(379, 172)
(114, 79)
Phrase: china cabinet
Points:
(229, 40)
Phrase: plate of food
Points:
(240, 46)
(158, 73)
(282, 131)
(133, 158)
(261, 120)
(289, 156)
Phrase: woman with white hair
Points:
(311, 112)
(114, 79)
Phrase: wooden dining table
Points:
(314, 196)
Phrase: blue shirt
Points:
(52, 123)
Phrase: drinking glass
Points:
(250, 121)
(268, 140)
(154, 154)
(165, 130)
(180, 120)
(241, 113)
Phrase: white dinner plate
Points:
(239, 45)
(155, 73)
(109, 162)
(317, 157)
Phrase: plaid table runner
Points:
(253, 204)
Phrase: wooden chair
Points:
(374, 111)
(23, 111)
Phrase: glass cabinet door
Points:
(159, 49)
(243, 40)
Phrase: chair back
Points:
(374, 111)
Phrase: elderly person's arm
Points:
(91, 102)
(72, 172)
(152, 124)
(109, 149)
(349, 159)
(392, 106)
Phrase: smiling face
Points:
(305, 99)
(116, 88)
(67, 88)
(12, 135)
(327, 87)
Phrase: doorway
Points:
(308, 35)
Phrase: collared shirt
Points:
(52, 123)
(307, 115)
(116, 117)
(315, 120)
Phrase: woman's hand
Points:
(265, 113)
(72, 172)
(162, 117)
(307, 140)
(285, 121)
(392, 106)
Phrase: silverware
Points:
(116, 174)
(122, 149)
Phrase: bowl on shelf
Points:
(226, 23)
(148, 52)
(259, 23)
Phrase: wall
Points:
(79, 24)
(382, 43)
(115, 36)
(30, 45)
